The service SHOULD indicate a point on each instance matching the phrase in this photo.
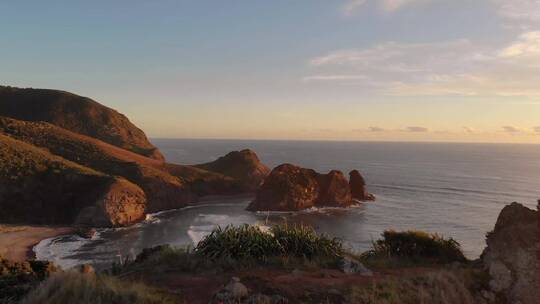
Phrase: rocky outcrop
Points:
(333, 190)
(292, 188)
(512, 255)
(244, 166)
(78, 114)
(40, 188)
(163, 190)
(358, 187)
(287, 188)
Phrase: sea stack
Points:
(292, 188)
(358, 187)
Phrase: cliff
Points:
(40, 188)
(78, 114)
(512, 255)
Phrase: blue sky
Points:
(443, 70)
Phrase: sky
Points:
(389, 70)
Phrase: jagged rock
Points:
(233, 292)
(358, 187)
(512, 255)
(86, 269)
(351, 266)
(287, 188)
(292, 188)
(243, 166)
(334, 190)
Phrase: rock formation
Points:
(243, 166)
(106, 173)
(358, 187)
(512, 255)
(41, 188)
(292, 188)
(78, 114)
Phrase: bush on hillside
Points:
(416, 246)
(251, 243)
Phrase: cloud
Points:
(458, 67)
(352, 6)
(510, 129)
(536, 129)
(519, 10)
(314, 78)
(375, 129)
(416, 129)
(468, 130)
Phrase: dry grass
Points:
(441, 287)
(73, 287)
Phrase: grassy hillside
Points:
(78, 114)
(38, 187)
(163, 190)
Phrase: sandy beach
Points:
(16, 241)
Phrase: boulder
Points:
(358, 187)
(512, 255)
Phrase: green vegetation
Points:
(73, 287)
(251, 243)
(415, 247)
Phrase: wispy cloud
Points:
(510, 129)
(458, 67)
(536, 129)
(352, 6)
(415, 129)
(334, 78)
(376, 129)
(468, 130)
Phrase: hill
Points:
(78, 114)
(38, 187)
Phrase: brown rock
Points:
(243, 166)
(287, 188)
(334, 190)
(292, 188)
(358, 187)
(512, 254)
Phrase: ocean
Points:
(456, 190)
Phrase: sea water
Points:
(456, 190)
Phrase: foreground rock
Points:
(78, 114)
(512, 255)
(358, 187)
(292, 188)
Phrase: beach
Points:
(17, 241)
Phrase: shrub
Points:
(416, 246)
(74, 287)
(251, 243)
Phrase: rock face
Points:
(292, 188)
(78, 114)
(512, 255)
(243, 166)
(67, 159)
(40, 188)
(358, 187)
(287, 188)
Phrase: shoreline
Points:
(17, 241)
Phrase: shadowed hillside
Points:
(78, 114)
(38, 187)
